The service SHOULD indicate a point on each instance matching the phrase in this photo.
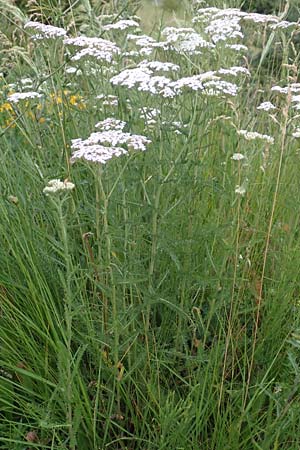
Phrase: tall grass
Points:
(156, 305)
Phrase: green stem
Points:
(68, 321)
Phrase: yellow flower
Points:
(73, 99)
(6, 107)
(42, 120)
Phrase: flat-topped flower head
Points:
(238, 157)
(121, 25)
(237, 47)
(219, 88)
(224, 29)
(266, 106)
(16, 97)
(55, 186)
(146, 44)
(44, 32)
(234, 71)
(108, 100)
(240, 190)
(260, 18)
(149, 115)
(159, 66)
(283, 25)
(296, 133)
(293, 88)
(110, 142)
(142, 79)
(93, 47)
(254, 135)
(111, 124)
(185, 40)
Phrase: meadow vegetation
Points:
(149, 227)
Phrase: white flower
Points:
(237, 47)
(108, 100)
(234, 71)
(97, 153)
(293, 87)
(104, 145)
(159, 66)
(224, 29)
(296, 133)
(240, 190)
(149, 115)
(18, 96)
(101, 55)
(26, 81)
(219, 87)
(45, 31)
(94, 47)
(195, 82)
(111, 124)
(260, 18)
(284, 24)
(266, 106)
(121, 25)
(253, 135)
(56, 185)
(185, 40)
(237, 156)
(142, 79)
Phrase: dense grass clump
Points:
(149, 228)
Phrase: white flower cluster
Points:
(240, 190)
(293, 87)
(111, 124)
(296, 100)
(237, 47)
(98, 48)
(207, 82)
(149, 115)
(253, 135)
(219, 88)
(55, 186)
(283, 25)
(175, 126)
(45, 31)
(121, 25)
(223, 25)
(296, 133)
(159, 66)
(260, 18)
(185, 40)
(104, 145)
(234, 71)
(238, 157)
(266, 106)
(146, 44)
(224, 29)
(19, 96)
(108, 100)
(143, 80)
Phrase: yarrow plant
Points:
(56, 186)
(17, 97)
(44, 32)
(106, 144)
(254, 135)
(170, 256)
